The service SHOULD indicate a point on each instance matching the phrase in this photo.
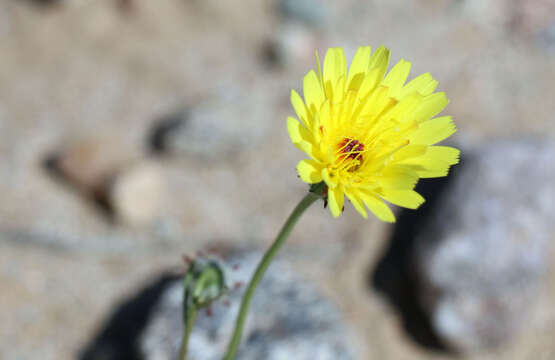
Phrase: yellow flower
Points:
(369, 135)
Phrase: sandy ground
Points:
(107, 70)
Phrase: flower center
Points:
(349, 154)
(350, 148)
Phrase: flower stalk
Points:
(189, 323)
(314, 194)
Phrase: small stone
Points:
(136, 193)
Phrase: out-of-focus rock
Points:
(126, 5)
(289, 319)
(468, 270)
(89, 163)
(493, 16)
(215, 128)
(529, 19)
(533, 17)
(165, 129)
(482, 254)
(548, 36)
(47, 2)
(298, 33)
(113, 175)
(136, 193)
(293, 44)
(309, 12)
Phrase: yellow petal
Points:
(377, 206)
(405, 198)
(430, 107)
(447, 154)
(358, 68)
(357, 203)
(301, 137)
(313, 93)
(330, 180)
(310, 171)
(300, 108)
(379, 60)
(319, 68)
(409, 151)
(335, 67)
(369, 83)
(325, 115)
(315, 128)
(348, 107)
(435, 163)
(335, 200)
(376, 103)
(402, 110)
(377, 67)
(424, 84)
(398, 178)
(339, 90)
(433, 131)
(397, 76)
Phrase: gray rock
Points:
(547, 36)
(309, 12)
(483, 255)
(288, 320)
(236, 120)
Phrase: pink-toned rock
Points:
(112, 174)
(90, 163)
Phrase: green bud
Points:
(203, 283)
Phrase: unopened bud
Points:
(203, 284)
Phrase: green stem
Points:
(191, 315)
(263, 266)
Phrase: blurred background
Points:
(135, 131)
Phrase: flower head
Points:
(369, 135)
